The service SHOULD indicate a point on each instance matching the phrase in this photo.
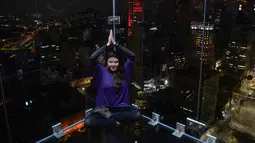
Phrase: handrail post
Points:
(211, 139)
(179, 131)
(155, 119)
(58, 132)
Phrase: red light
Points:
(129, 32)
(138, 9)
(129, 16)
(137, 3)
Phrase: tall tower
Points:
(135, 12)
(197, 31)
(136, 33)
(47, 55)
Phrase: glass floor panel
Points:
(139, 132)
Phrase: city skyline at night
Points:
(193, 75)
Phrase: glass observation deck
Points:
(149, 130)
(67, 125)
(194, 60)
(153, 131)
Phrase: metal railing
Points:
(59, 132)
(179, 131)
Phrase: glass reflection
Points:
(194, 62)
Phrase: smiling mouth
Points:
(113, 67)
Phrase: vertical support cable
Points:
(113, 14)
(201, 63)
(5, 110)
(113, 26)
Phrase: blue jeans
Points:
(118, 114)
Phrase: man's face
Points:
(113, 63)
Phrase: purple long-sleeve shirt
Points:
(107, 94)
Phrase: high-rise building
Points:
(251, 63)
(242, 4)
(222, 27)
(136, 45)
(135, 12)
(245, 10)
(236, 58)
(136, 34)
(208, 100)
(148, 17)
(180, 60)
(49, 61)
(186, 91)
(197, 32)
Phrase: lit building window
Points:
(240, 7)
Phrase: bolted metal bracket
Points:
(58, 131)
(155, 119)
(195, 125)
(211, 139)
(179, 131)
(135, 106)
(113, 20)
(89, 111)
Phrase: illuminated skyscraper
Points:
(180, 60)
(136, 34)
(197, 33)
(47, 54)
(135, 12)
(247, 8)
(241, 4)
(136, 43)
(236, 58)
(186, 88)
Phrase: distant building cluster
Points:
(198, 66)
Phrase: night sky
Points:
(23, 6)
